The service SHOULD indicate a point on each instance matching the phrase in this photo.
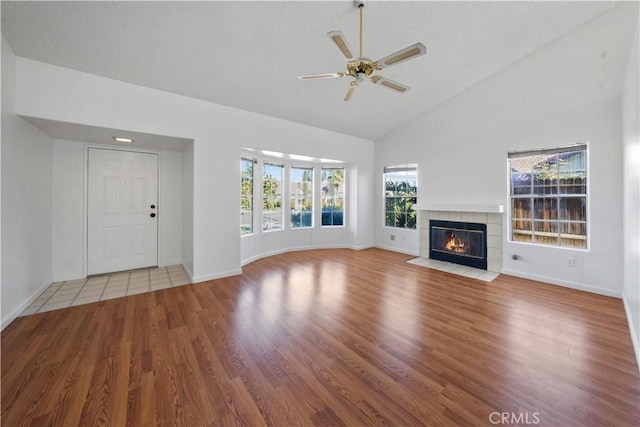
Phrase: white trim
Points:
(302, 248)
(168, 263)
(19, 309)
(399, 250)
(632, 331)
(460, 208)
(564, 283)
(207, 277)
(68, 277)
(189, 273)
(361, 247)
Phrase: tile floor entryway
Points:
(107, 286)
(460, 270)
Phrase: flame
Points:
(455, 245)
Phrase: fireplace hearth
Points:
(458, 242)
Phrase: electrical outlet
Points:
(392, 237)
(571, 262)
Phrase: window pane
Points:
(246, 196)
(556, 181)
(522, 230)
(272, 197)
(573, 234)
(332, 196)
(545, 208)
(573, 208)
(520, 183)
(401, 188)
(301, 201)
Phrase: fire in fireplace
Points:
(462, 243)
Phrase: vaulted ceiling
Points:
(247, 54)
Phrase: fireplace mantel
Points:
(460, 208)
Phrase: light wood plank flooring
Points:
(331, 337)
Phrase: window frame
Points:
(557, 196)
(392, 169)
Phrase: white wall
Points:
(566, 92)
(68, 181)
(55, 93)
(68, 240)
(26, 202)
(170, 208)
(631, 224)
(187, 209)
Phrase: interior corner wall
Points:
(631, 219)
(566, 92)
(26, 202)
(218, 133)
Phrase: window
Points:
(549, 196)
(272, 215)
(246, 196)
(301, 181)
(332, 196)
(400, 192)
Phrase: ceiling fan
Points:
(363, 68)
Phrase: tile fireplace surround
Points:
(489, 215)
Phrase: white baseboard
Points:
(19, 309)
(301, 248)
(564, 283)
(189, 273)
(168, 263)
(206, 277)
(632, 330)
(361, 247)
(68, 277)
(399, 250)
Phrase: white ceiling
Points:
(247, 54)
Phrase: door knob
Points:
(152, 215)
(153, 206)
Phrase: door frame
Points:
(85, 198)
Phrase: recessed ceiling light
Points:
(122, 139)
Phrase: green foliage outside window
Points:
(401, 190)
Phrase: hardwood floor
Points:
(331, 337)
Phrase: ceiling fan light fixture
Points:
(123, 139)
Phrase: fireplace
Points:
(462, 243)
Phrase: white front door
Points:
(122, 210)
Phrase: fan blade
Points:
(349, 94)
(399, 87)
(405, 54)
(321, 76)
(340, 41)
